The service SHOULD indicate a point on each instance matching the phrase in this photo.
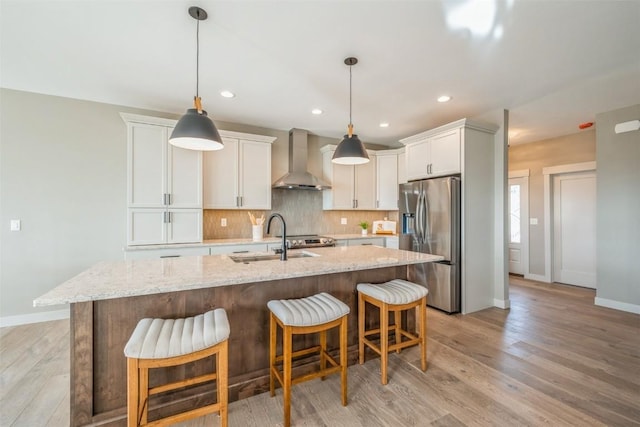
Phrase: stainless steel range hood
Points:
(298, 178)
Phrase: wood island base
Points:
(101, 328)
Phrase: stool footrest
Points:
(184, 383)
(193, 413)
(312, 375)
(300, 353)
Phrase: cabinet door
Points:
(445, 153)
(184, 226)
(146, 226)
(165, 253)
(365, 184)
(418, 157)
(221, 176)
(185, 177)
(387, 181)
(147, 160)
(255, 175)
(342, 187)
(402, 168)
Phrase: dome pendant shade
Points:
(350, 151)
(195, 131)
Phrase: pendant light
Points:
(350, 151)
(196, 131)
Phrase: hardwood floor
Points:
(552, 359)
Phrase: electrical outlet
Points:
(533, 221)
(343, 221)
(15, 225)
(223, 222)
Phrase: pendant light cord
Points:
(197, 54)
(350, 121)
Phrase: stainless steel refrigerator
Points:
(430, 223)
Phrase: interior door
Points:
(574, 229)
(518, 225)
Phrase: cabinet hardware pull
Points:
(367, 244)
(169, 256)
(240, 252)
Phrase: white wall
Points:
(618, 211)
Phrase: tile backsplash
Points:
(302, 211)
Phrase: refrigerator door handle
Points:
(418, 231)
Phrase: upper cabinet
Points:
(164, 185)
(239, 175)
(352, 187)
(387, 180)
(429, 155)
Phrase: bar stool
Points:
(394, 296)
(317, 313)
(159, 343)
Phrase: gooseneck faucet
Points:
(283, 254)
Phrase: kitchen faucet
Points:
(283, 254)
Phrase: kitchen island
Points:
(108, 300)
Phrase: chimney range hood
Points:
(298, 178)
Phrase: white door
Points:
(574, 229)
(518, 238)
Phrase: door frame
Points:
(524, 219)
(548, 174)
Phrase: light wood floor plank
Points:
(553, 359)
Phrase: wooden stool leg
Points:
(397, 319)
(361, 316)
(323, 350)
(384, 340)
(222, 381)
(273, 332)
(287, 350)
(133, 392)
(343, 359)
(144, 395)
(423, 334)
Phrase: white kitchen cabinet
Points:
(164, 185)
(238, 249)
(368, 241)
(402, 167)
(386, 180)
(166, 253)
(429, 156)
(353, 187)
(239, 175)
(150, 226)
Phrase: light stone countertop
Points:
(118, 279)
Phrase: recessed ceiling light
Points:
(444, 98)
(316, 111)
(227, 94)
(384, 125)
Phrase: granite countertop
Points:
(118, 279)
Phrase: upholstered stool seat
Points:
(314, 314)
(394, 296)
(158, 343)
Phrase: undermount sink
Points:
(269, 257)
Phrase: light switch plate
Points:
(15, 225)
(223, 222)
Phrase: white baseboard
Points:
(502, 303)
(617, 305)
(24, 319)
(537, 278)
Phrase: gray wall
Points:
(618, 208)
(575, 148)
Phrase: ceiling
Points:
(552, 64)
